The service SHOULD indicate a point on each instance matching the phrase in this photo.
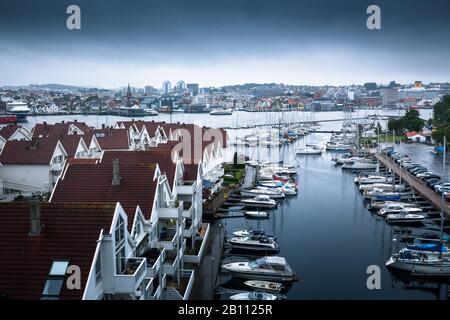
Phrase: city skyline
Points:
(222, 43)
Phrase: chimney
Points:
(35, 218)
(116, 176)
(103, 126)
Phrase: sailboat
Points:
(422, 263)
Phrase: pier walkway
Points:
(434, 198)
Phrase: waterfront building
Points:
(390, 97)
(13, 132)
(193, 88)
(166, 87)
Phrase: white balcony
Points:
(172, 212)
(170, 265)
(168, 240)
(148, 289)
(181, 290)
(155, 259)
(187, 188)
(130, 281)
(157, 288)
(187, 210)
(57, 166)
(194, 255)
(189, 229)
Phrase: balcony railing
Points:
(187, 210)
(135, 273)
(148, 290)
(168, 239)
(56, 166)
(170, 264)
(199, 250)
(155, 259)
(187, 187)
(188, 231)
(171, 212)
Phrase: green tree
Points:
(441, 120)
(396, 124)
(412, 120)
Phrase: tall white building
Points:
(181, 86)
(166, 87)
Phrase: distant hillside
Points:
(56, 86)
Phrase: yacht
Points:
(267, 268)
(221, 112)
(256, 214)
(261, 201)
(360, 166)
(371, 179)
(256, 295)
(378, 205)
(394, 208)
(151, 112)
(18, 108)
(419, 263)
(404, 218)
(382, 186)
(289, 191)
(265, 285)
(251, 232)
(273, 193)
(309, 151)
(254, 243)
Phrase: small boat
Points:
(404, 218)
(221, 112)
(256, 295)
(270, 192)
(396, 208)
(309, 151)
(360, 166)
(254, 243)
(261, 201)
(151, 112)
(419, 264)
(289, 191)
(266, 268)
(378, 205)
(251, 232)
(265, 285)
(371, 179)
(256, 214)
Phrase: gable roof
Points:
(7, 131)
(112, 139)
(70, 144)
(57, 129)
(36, 151)
(70, 232)
(160, 156)
(87, 182)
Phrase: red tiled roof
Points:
(69, 232)
(112, 139)
(70, 144)
(93, 183)
(411, 133)
(160, 156)
(57, 129)
(37, 151)
(7, 131)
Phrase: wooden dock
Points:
(415, 183)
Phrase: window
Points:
(120, 245)
(55, 280)
(98, 269)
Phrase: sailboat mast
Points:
(442, 197)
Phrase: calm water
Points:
(325, 233)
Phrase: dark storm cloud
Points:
(199, 31)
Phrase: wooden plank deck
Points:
(415, 183)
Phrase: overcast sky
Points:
(219, 42)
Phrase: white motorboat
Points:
(267, 268)
(382, 186)
(261, 201)
(404, 218)
(395, 208)
(265, 285)
(253, 296)
(256, 214)
(251, 232)
(221, 112)
(378, 205)
(273, 193)
(309, 151)
(254, 243)
(371, 179)
(289, 191)
(151, 112)
(360, 166)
